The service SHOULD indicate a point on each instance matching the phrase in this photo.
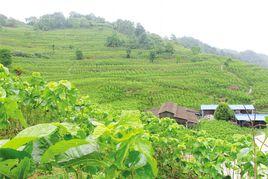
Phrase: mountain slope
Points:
(247, 56)
(111, 79)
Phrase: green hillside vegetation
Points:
(49, 130)
(110, 78)
(91, 128)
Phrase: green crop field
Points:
(97, 125)
(118, 82)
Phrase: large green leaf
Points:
(13, 111)
(131, 118)
(99, 131)
(29, 134)
(121, 154)
(77, 152)
(15, 143)
(144, 147)
(6, 153)
(6, 166)
(60, 148)
(68, 127)
(37, 131)
(22, 170)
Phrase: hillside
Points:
(85, 115)
(247, 56)
(111, 79)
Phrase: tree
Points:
(79, 55)
(114, 41)
(223, 112)
(196, 50)
(31, 20)
(128, 52)
(169, 49)
(125, 27)
(227, 62)
(3, 20)
(178, 59)
(152, 56)
(5, 57)
(139, 31)
(53, 47)
(173, 37)
(51, 21)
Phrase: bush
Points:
(79, 55)
(21, 54)
(41, 55)
(114, 41)
(223, 112)
(128, 52)
(5, 57)
(152, 56)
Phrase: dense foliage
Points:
(80, 146)
(79, 55)
(223, 112)
(81, 140)
(114, 41)
(49, 129)
(9, 22)
(58, 21)
(5, 57)
(112, 80)
(221, 129)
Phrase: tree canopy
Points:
(223, 112)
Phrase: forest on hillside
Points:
(137, 33)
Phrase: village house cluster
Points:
(245, 115)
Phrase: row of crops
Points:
(135, 82)
(49, 130)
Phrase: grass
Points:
(114, 81)
(222, 129)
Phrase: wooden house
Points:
(182, 115)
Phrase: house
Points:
(238, 109)
(182, 115)
(256, 120)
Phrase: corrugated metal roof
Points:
(209, 107)
(251, 117)
(233, 107)
(240, 106)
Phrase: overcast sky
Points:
(233, 24)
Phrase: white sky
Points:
(233, 24)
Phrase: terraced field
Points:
(117, 82)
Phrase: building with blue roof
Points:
(256, 120)
(238, 109)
